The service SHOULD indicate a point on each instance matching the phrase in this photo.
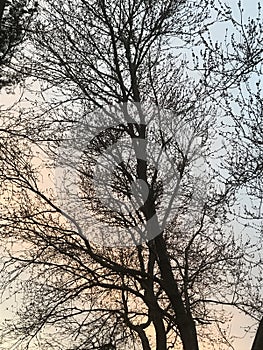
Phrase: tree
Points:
(2, 6)
(15, 19)
(115, 76)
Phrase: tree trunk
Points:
(258, 341)
(185, 321)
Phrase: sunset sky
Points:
(240, 321)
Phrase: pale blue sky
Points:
(239, 321)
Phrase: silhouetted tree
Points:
(113, 72)
(15, 19)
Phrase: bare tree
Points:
(104, 66)
(15, 20)
(2, 6)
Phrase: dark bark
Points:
(258, 341)
(184, 320)
(2, 7)
(144, 340)
(155, 314)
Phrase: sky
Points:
(239, 321)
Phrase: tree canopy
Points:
(131, 187)
(15, 18)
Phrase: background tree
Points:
(15, 19)
(80, 295)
